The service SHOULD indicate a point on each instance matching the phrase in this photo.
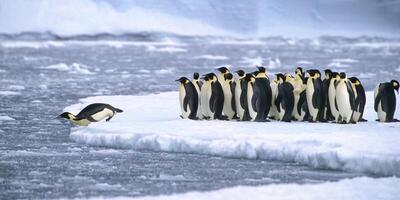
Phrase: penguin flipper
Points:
(278, 102)
(351, 96)
(254, 99)
(185, 102)
(233, 101)
(378, 98)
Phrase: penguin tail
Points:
(118, 110)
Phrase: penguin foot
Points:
(396, 120)
(362, 120)
(235, 117)
(323, 120)
(108, 119)
(181, 116)
(223, 117)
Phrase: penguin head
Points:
(211, 77)
(335, 76)
(255, 73)
(299, 72)
(395, 85)
(314, 73)
(280, 77)
(183, 80)
(328, 74)
(223, 70)
(261, 69)
(196, 76)
(249, 77)
(240, 73)
(66, 115)
(354, 81)
(342, 75)
(228, 77)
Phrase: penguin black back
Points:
(243, 97)
(387, 98)
(94, 108)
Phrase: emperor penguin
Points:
(345, 99)
(315, 96)
(263, 81)
(197, 84)
(215, 96)
(229, 97)
(359, 94)
(325, 85)
(188, 98)
(332, 97)
(257, 99)
(285, 99)
(385, 101)
(228, 86)
(273, 112)
(304, 113)
(223, 71)
(243, 99)
(238, 93)
(92, 113)
(299, 71)
(298, 89)
(205, 92)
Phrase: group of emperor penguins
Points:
(300, 97)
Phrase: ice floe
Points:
(152, 122)
(6, 118)
(9, 93)
(348, 189)
(212, 57)
(74, 68)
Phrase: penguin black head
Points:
(255, 73)
(335, 75)
(261, 69)
(228, 76)
(280, 76)
(210, 76)
(328, 73)
(395, 85)
(305, 80)
(299, 71)
(249, 77)
(196, 76)
(355, 81)
(314, 72)
(342, 75)
(240, 73)
(183, 80)
(223, 70)
(65, 115)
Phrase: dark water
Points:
(38, 160)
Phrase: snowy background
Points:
(62, 55)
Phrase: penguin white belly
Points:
(199, 112)
(343, 101)
(380, 112)
(252, 112)
(105, 113)
(182, 94)
(227, 109)
(208, 97)
(282, 113)
(309, 94)
(295, 113)
(82, 122)
(332, 98)
(356, 116)
(238, 92)
(273, 110)
(204, 101)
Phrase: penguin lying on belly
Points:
(91, 113)
(385, 101)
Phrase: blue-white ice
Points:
(152, 122)
(192, 17)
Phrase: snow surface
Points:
(348, 189)
(152, 122)
(6, 118)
